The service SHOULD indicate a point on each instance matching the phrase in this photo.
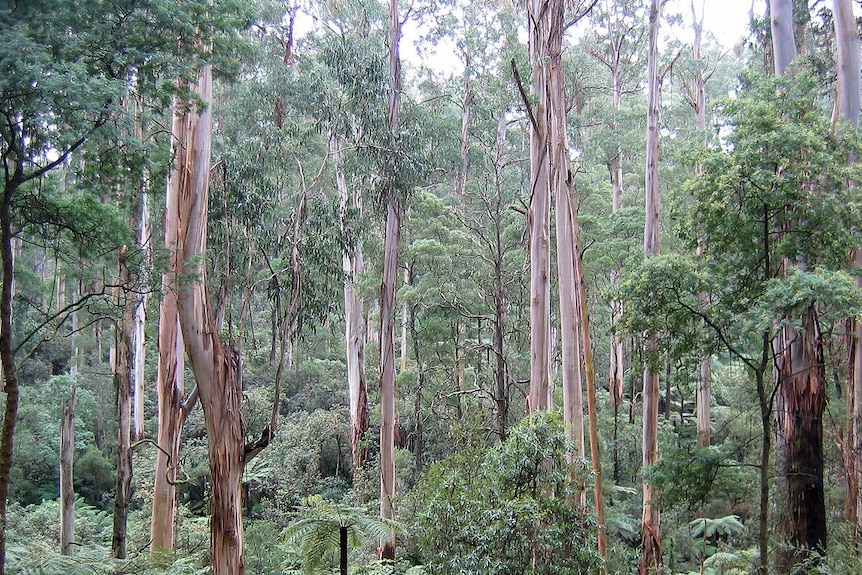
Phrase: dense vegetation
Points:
(752, 303)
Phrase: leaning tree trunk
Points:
(590, 373)
(391, 240)
(216, 366)
(651, 556)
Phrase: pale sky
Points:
(727, 19)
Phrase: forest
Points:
(430, 288)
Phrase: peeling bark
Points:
(216, 365)
(391, 240)
(172, 403)
(802, 401)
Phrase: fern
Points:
(315, 533)
(727, 526)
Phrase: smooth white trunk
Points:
(539, 216)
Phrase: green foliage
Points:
(33, 539)
(493, 512)
(692, 477)
(309, 455)
(772, 219)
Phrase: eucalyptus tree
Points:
(800, 368)
(847, 110)
(539, 214)
(69, 66)
(651, 556)
(391, 199)
(740, 210)
(353, 75)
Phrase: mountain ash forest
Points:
(430, 287)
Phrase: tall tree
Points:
(391, 240)
(62, 90)
(651, 556)
(173, 404)
(354, 323)
(539, 215)
(698, 101)
(123, 385)
(215, 364)
(801, 378)
(847, 109)
(141, 219)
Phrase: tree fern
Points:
(727, 526)
(315, 534)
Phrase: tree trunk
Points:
(566, 220)
(589, 369)
(171, 369)
(704, 381)
(67, 466)
(215, 365)
(847, 61)
(847, 108)
(403, 339)
(765, 402)
(391, 240)
(124, 390)
(783, 41)
(173, 408)
(501, 379)
(651, 556)
(387, 373)
(616, 367)
(143, 230)
(354, 326)
(539, 214)
(802, 400)
(342, 555)
(418, 435)
(7, 358)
